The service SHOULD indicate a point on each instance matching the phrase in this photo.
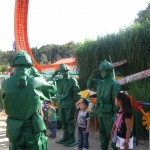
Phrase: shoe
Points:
(52, 137)
(61, 141)
(84, 149)
(69, 142)
(77, 148)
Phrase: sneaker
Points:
(70, 141)
(84, 149)
(77, 148)
(62, 141)
(52, 137)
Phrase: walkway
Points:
(93, 140)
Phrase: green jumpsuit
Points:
(21, 98)
(106, 89)
(68, 93)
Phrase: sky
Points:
(62, 21)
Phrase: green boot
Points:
(104, 147)
(113, 145)
(71, 142)
(63, 140)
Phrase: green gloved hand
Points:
(96, 74)
(55, 73)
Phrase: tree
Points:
(44, 59)
(3, 68)
(144, 15)
(54, 52)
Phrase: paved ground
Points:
(93, 140)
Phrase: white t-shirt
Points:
(83, 116)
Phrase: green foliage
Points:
(85, 60)
(5, 57)
(44, 59)
(131, 43)
(140, 90)
(3, 68)
(44, 55)
(51, 53)
(144, 15)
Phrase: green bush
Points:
(131, 44)
(140, 90)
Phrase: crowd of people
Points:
(113, 108)
(121, 132)
(26, 129)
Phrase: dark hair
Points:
(123, 96)
(85, 102)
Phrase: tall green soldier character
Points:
(21, 97)
(68, 93)
(106, 89)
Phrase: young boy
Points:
(52, 120)
(83, 122)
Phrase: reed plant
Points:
(131, 43)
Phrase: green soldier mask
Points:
(103, 74)
(64, 70)
(106, 74)
(106, 69)
(64, 73)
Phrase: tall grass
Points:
(140, 90)
(131, 43)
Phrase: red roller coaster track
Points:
(21, 32)
(20, 28)
(21, 39)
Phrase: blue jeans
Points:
(53, 128)
(83, 138)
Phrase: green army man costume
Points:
(21, 97)
(106, 89)
(68, 93)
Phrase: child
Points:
(123, 123)
(83, 122)
(52, 120)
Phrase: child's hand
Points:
(78, 103)
(126, 145)
(87, 130)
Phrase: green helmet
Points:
(64, 67)
(105, 65)
(22, 58)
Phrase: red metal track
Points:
(21, 32)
